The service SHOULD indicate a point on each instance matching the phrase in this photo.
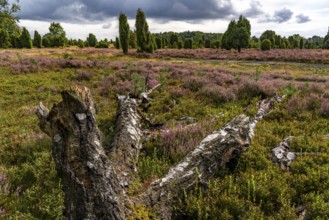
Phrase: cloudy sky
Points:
(81, 17)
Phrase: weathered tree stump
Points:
(95, 183)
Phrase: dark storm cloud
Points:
(100, 10)
(254, 10)
(302, 18)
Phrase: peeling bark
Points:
(214, 152)
(281, 154)
(127, 140)
(90, 183)
(95, 183)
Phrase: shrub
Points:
(265, 45)
(102, 44)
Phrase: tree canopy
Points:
(143, 35)
(237, 35)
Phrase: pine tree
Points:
(144, 38)
(37, 40)
(25, 39)
(124, 32)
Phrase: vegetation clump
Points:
(265, 45)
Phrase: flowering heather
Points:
(286, 55)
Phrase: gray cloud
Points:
(279, 16)
(254, 10)
(89, 11)
(302, 18)
(282, 15)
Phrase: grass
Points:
(211, 92)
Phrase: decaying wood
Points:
(281, 154)
(90, 183)
(215, 151)
(95, 183)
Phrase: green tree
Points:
(124, 32)
(37, 40)
(158, 41)
(174, 38)
(237, 35)
(143, 35)
(268, 34)
(56, 35)
(92, 40)
(25, 39)
(207, 43)
(8, 19)
(4, 38)
(117, 43)
(81, 43)
(326, 41)
(266, 44)
(188, 43)
(301, 43)
(132, 40)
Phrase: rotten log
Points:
(95, 183)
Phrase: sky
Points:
(100, 17)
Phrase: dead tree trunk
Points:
(90, 183)
(94, 184)
(214, 152)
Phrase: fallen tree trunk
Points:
(214, 152)
(94, 183)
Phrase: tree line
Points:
(237, 36)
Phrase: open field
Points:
(208, 87)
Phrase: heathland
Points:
(200, 91)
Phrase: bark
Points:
(95, 183)
(214, 152)
(90, 183)
(281, 154)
